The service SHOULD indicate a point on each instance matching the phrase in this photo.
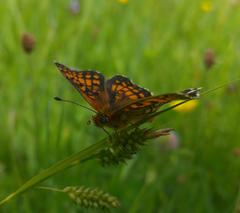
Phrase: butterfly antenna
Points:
(72, 102)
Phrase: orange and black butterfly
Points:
(118, 102)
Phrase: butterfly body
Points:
(118, 101)
(102, 120)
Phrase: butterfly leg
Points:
(109, 135)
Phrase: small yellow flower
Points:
(123, 1)
(206, 6)
(186, 107)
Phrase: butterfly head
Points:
(101, 120)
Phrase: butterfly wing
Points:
(90, 84)
(136, 110)
(155, 102)
(151, 104)
(121, 91)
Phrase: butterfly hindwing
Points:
(89, 83)
(121, 91)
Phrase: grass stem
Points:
(68, 162)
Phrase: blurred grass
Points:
(158, 44)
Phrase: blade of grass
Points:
(68, 162)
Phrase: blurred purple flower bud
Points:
(74, 7)
(170, 142)
(173, 141)
(28, 42)
(209, 58)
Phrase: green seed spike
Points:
(91, 197)
(126, 144)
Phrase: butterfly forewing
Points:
(121, 91)
(153, 103)
(89, 83)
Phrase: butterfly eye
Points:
(104, 119)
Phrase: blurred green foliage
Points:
(161, 46)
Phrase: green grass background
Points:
(159, 45)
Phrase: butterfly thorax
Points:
(104, 120)
(116, 121)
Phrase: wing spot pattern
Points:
(75, 80)
(114, 87)
(134, 97)
(81, 81)
(96, 77)
(96, 82)
(83, 88)
(90, 83)
(95, 88)
(128, 93)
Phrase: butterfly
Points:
(118, 101)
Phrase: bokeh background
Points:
(165, 46)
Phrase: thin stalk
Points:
(50, 189)
(237, 202)
(68, 162)
(84, 155)
(156, 114)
